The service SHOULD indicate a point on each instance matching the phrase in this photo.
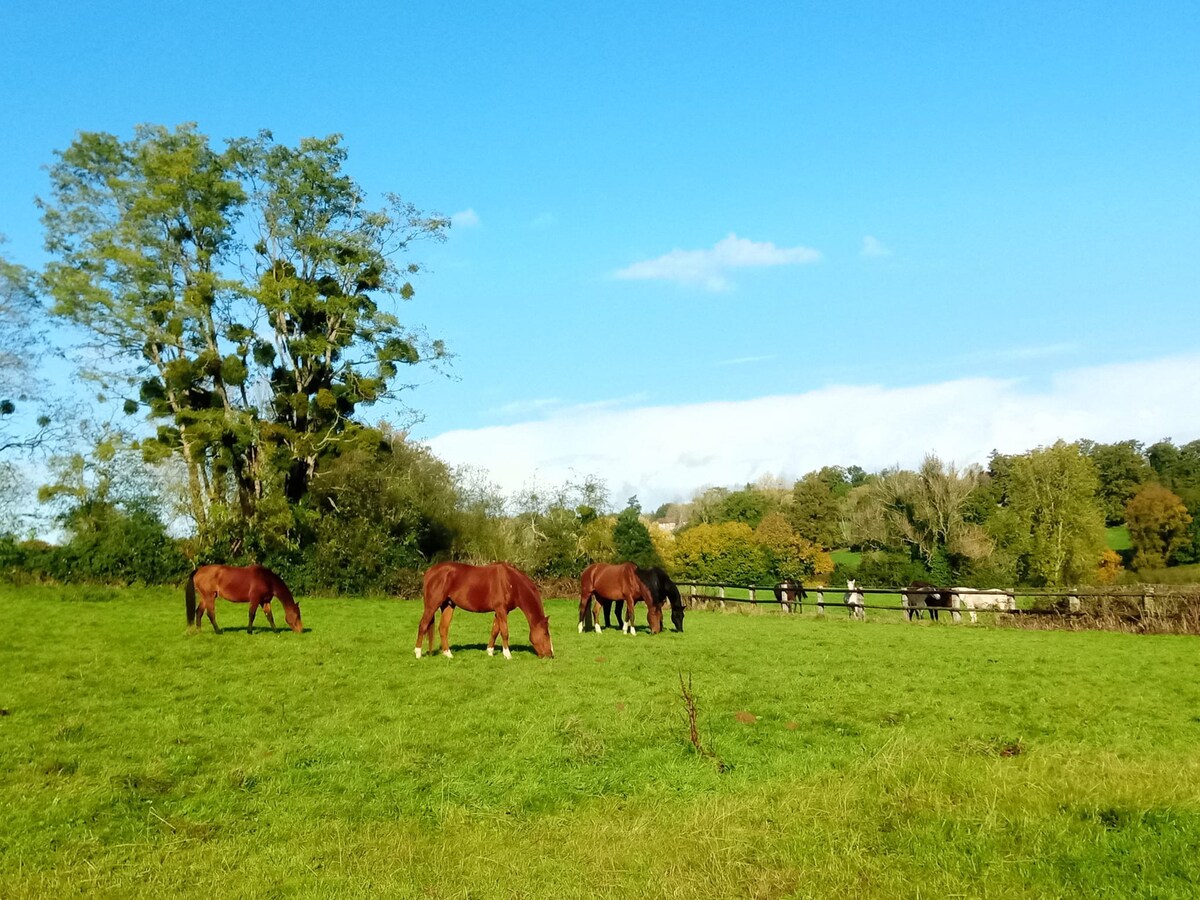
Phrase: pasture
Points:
(874, 759)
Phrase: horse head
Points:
(291, 614)
(677, 616)
(539, 636)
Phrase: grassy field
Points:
(871, 759)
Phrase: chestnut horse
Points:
(255, 585)
(661, 587)
(604, 581)
(496, 588)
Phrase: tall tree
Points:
(813, 512)
(926, 512)
(246, 296)
(21, 345)
(1121, 468)
(631, 538)
(1051, 519)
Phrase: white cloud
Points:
(466, 218)
(667, 452)
(708, 268)
(873, 248)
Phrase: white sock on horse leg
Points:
(507, 655)
(418, 652)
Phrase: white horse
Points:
(971, 600)
(854, 600)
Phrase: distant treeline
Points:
(383, 509)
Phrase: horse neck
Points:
(530, 604)
(280, 590)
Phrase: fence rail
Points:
(1151, 601)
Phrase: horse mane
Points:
(525, 592)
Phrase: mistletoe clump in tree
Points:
(244, 297)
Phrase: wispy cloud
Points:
(676, 449)
(708, 268)
(543, 406)
(1041, 351)
(873, 248)
(466, 218)
(525, 407)
(743, 360)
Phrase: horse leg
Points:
(425, 629)
(253, 610)
(585, 601)
(210, 607)
(607, 604)
(495, 632)
(629, 626)
(617, 609)
(447, 615)
(502, 622)
(266, 608)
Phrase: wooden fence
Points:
(1161, 603)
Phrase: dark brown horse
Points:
(604, 581)
(497, 588)
(255, 585)
(662, 588)
(921, 595)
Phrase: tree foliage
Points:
(244, 297)
(1051, 520)
(1158, 525)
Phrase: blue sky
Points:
(667, 212)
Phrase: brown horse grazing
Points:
(496, 588)
(604, 581)
(255, 585)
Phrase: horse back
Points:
(613, 581)
(473, 588)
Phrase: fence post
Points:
(820, 602)
(753, 597)
(1073, 603)
(721, 594)
(692, 596)
(1149, 607)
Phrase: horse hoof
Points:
(581, 628)
(597, 629)
(447, 654)
(507, 655)
(491, 651)
(417, 651)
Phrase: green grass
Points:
(1117, 538)
(884, 759)
(850, 559)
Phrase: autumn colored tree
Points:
(791, 555)
(1158, 526)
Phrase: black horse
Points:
(790, 593)
(662, 588)
(921, 595)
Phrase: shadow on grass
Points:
(514, 649)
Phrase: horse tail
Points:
(585, 597)
(189, 597)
